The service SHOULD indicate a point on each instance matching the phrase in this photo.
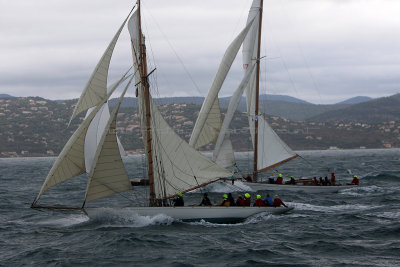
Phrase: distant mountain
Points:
(375, 111)
(275, 105)
(356, 100)
(6, 96)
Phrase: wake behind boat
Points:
(297, 188)
(173, 166)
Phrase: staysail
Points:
(209, 121)
(108, 175)
(96, 88)
(97, 126)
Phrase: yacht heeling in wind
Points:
(173, 165)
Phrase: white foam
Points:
(330, 209)
(387, 215)
(127, 218)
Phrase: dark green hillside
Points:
(383, 109)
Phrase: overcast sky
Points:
(320, 51)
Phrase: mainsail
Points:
(249, 54)
(178, 167)
(209, 121)
(272, 150)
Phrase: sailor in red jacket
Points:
(355, 181)
(259, 202)
(279, 180)
(278, 202)
(247, 200)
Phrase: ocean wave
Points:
(69, 221)
(363, 191)
(331, 209)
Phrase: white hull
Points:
(298, 188)
(193, 213)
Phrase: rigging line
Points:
(176, 54)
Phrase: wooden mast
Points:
(255, 170)
(146, 92)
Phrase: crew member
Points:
(179, 200)
(278, 202)
(259, 202)
(279, 180)
(225, 201)
(205, 201)
(355, 181)
(247, 200)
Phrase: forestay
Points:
(208, 123)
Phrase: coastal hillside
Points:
(33, 126)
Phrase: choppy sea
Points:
(355, 227)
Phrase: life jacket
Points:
(279, 180)
(277, 202)
(240, 201)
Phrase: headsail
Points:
(206, 129)
(71, 161)
(108, 175)
(249, 53)
(97, 126)
(96, 87)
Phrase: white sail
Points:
(96, 87)
(233, 104)
(71, 161)
(249, 54)
(209, 104)
(272, 150)
(108, 175)
(226, 157)
(134, 32)
(178, 167)
(97, 126)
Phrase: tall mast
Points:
(257, 95)
(146, 91)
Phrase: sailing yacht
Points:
(269, 149)
(173, 165)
